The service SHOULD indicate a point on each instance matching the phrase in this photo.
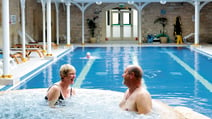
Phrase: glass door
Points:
(121, 24)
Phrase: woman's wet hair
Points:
(65, 69)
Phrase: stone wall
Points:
(172, 10)
(150, 12)
(206, 23)
(14, 27)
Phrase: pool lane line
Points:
(135, 62)
(196, 75)
(79, 80)
(83, 73)
(134, 59)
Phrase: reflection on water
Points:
(87, 104)
(151, 73)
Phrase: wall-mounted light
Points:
(98, 2)
(163, 2)
(130, 2)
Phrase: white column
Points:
(57, 21)
(49, 38)
(44, 24)
(6, 39)
(68, 23)
(83, 27)
(23, 29)
(196, 39)
(139, 27)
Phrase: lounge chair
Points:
(31, 43)
(34, 45)
(39, 51)
(28, 46)
(16, 55)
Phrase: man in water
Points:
(136, 98)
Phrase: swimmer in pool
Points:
(88, 55)
(136, 98)
(62, 90)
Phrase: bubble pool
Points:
(86, 104)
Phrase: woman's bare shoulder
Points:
(55, 88)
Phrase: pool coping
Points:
(17, 81)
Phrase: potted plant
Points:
(163, 21)
(92, 26)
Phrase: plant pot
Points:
(163, 39)
(93, 40)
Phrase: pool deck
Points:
(35, 63)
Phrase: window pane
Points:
(126, 18)
(115, 18)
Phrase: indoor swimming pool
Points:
(178, 76)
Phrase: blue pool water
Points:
(178, 76)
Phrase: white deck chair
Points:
(187, 36)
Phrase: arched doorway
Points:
(121, 23)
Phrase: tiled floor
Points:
(36, 62)
(207, 48)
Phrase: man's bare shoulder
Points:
(143, 102)
(143, 91)
(143, 94)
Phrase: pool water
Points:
(179, 76)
